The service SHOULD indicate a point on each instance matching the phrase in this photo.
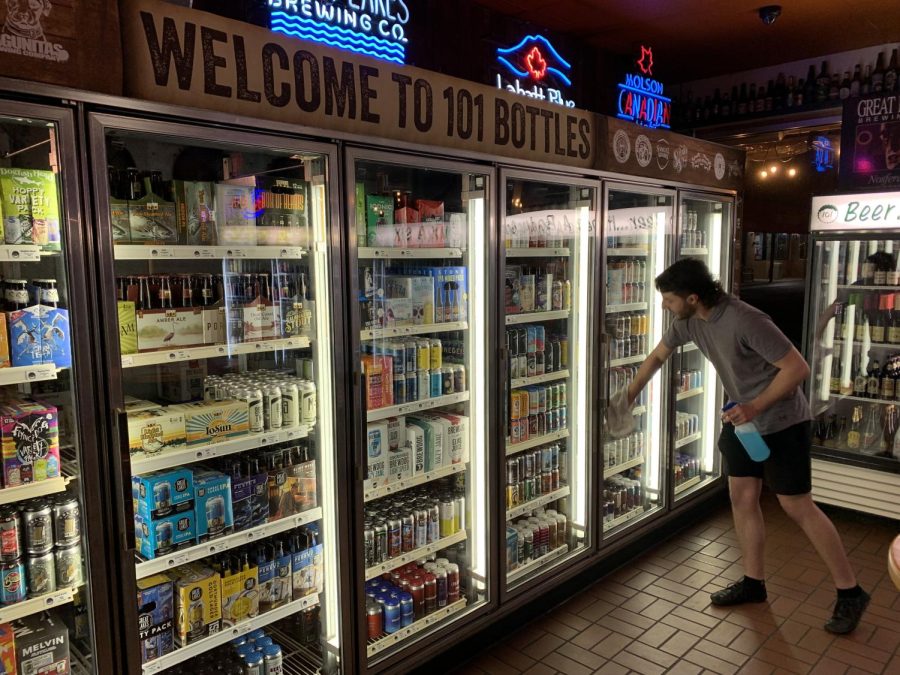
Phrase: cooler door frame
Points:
(647, 520)
(426, 646)
(549, 578)
(199, 129)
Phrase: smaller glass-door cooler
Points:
(704, 230)
(548, 293)
(638, 227)
(422, 233)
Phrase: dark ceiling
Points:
(693, 39)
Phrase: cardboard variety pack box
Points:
(377, 453)
(155, 430)
(198, 603)
(29, 436)
(156, 616)
(29, 202)
(207, 422)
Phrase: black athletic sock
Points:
(848, 593)
(754, 584)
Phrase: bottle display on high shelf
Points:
(421, 273)
(856, 348)
(42, 547)
(224, 315)
(548, 234)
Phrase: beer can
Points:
(394, 538)
(290, 404)
(10, 535)
(69, 572)
(410, 355)
(424, 354)
(272, 407)
(412, 386)
(381, 543)
(437, 383)
(397, 352)
(437, 354)
(448, 517)
(446, 380)
(417, 591)
(407, 609)
(399, 389)
(452, 582)
(408, 532)
(434, 523)
(37, 522)
(421, 531)
(430, 584)
(563, 352)
(424, 385)
(459, 514)
(12, 582)
(459, 378)
(369, 544)
(40, 574)
(374, 620)
(256, 418)
(66, 521)
(274, 664)
(308, 407)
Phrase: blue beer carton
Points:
(242, 502)
(212, 504)
(55, 345)
(161, 536)
(164, 492)
(25, 337)
(156, 616)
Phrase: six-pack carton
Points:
(195, 212)
(155, 430)
(212, 504)
(164, 492)
(155, 537)
(156, 616)
(29, 437)
(198, 603)
(42, 645)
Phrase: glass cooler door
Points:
(638, 227)
(548, 298)
(704, 232)
(53, 564)
(223, 374)
(854, 347)
(422, 233)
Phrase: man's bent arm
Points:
(648, 369)
(792, 371)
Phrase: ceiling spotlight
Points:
(763, 174)
(792, 172)
(769, 13)
(773, 169)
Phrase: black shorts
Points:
(787, 471)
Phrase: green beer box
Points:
(29, 201)
(195, 212)
(152, 219)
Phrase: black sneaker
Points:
(739, 593)
(847, 613)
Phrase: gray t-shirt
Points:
(742, 343)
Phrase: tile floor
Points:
(653, 616)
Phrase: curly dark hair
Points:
(688, 277)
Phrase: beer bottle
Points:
(769, 100)
(856, 82)
(165, 292)
(823, 83)
(877, 322)
(809, 93)
(860, 382)
(780, 91)
(835, 386)
(887, 382)
(742, 101)
(133, 184)
(800, 93)
(890, 75)
(878, 74)
(845, 86)
(894, 330)
(889, 428)
(871, 429)
(761, 98)
(873, 384)
(866, 86)
(854, 435)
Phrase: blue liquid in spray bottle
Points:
(750, 437)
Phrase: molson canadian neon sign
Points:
(641, 97)
(536, 62)
(374, 28)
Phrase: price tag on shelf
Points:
(236, 253)
(127, 361)
(204, 253)
(292, 252)
(176, 561)
(24, 253)
(162, 253)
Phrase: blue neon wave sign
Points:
(532, 41)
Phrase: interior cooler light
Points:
(582, 371)
(660, 234)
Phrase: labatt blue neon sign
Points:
(374, 28)
(641, 98)
(535, 61)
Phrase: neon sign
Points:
(375, 28)
(534, 61)
(641, 98)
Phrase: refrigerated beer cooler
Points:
(852, 339)
(420, 328)
(222, 351)
(54, 610)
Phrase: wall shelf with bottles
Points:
(537, 252)
(36, 605)
(26, 374)
(624, 518)
(24, 253)
(411, 556)
(213, 351)
(149, 252)
(372, 492)
(403, 331)
(688, 484)
(165, 460)
(530, 317)
(537, 503)
(146, 568)
(387, 253)
(515, 448)
(189, 651)
(624, 466)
